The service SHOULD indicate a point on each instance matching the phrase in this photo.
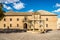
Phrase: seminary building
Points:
(29, 21)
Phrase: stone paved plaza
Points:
(52, 35)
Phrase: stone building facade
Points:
(58, 24)
(30, 21)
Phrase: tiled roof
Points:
(41, 12)
(18, 13)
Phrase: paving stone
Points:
(53, 35)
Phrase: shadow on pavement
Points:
(12, 31)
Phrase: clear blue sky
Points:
(33, 5)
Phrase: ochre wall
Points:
(14, 22)
(52, 22)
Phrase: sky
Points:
(32, 5)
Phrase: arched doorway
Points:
(25, 26)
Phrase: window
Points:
(10, 25)
(17, 25)
(46, 25)
(25, 18)
(4, 19)
(17, 19)
(46, 19)
(10, 19)
(4, 25)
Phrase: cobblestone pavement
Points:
(53, 35)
